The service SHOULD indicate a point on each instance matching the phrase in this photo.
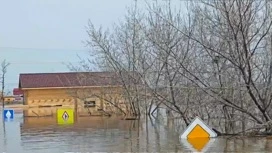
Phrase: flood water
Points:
(103, 134)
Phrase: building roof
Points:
(70, 79)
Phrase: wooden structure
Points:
(91, 92)
(9, 99)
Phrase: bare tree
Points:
(212, 60)
(4, 66)
(233, 36)
(122, 51)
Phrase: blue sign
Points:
(8, 114)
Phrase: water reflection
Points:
(103, 134)
(199, 144)
(202, 144)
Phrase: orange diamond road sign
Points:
(197, 136)
(65, 116)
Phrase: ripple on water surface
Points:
(43, 135)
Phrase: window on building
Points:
(88, 104)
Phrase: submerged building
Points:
(91, 92)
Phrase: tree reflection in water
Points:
(152, 134)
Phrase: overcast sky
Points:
(38, 35)
(57, 24)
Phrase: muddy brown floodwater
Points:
(102, 134)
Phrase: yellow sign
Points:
(198, 129)
(65, 116)
(198, 132)
(197, 136)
